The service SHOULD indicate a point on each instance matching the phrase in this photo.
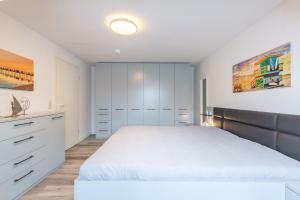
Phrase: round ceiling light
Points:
(123, 26)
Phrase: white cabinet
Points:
(167, 85)
(119, 117)
(184, 95)
(151, 84)
(135, 85)
(135, 115)
(34, 147)
(151, 116)
(119, 84)
(142, 94)
(103, 84)
(166, 116)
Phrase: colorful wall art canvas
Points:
(16, 72)
(266, 71)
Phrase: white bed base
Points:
(161, 190)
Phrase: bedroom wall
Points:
(19, 39)
(277, 28)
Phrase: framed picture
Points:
(16, 72)
(266, 71)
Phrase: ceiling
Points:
(169, 30)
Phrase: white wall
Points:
(277, 28)
(17, 38)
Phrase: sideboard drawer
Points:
(21, 145)
(21, 163)
(21, 127)
(20, 183)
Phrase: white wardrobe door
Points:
(166, 116)
(119, 84)
(119, 118)
(184, 85)
(167, 87)
(135, 115)
(135, 85)
(103, 84)
(151, 84)
(151, 116)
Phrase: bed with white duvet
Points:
(149, 162)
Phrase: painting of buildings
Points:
(16, 72)
(266, 71)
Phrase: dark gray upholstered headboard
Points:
(277, 131)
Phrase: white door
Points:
(184, 85)
(67, 99)
(135, 115)
(135, 85)
(103, 85)
(166, 94)
(151, 85)
(119, 118)
(119, 84)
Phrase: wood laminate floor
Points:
(60, 184)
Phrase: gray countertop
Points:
(28, 116)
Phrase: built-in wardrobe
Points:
(141, 94)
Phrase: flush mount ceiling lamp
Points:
(123, 26)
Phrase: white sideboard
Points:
(31, 147)
(142, 94)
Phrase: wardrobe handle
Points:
(183, 114)
(103, 109)
(182, 109)
(167, 109)
(24, 124)
(103, 114)
(151, 109)
(22, 177)
(23, 140)
(17, 163)
(54, 118)
(103, 122)
(119, 109)
(135, 109)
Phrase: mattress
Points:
(151, 153)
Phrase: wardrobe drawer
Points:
(21, 145)
(20, 183)
(21, 163)
(22, 127)
(103, 116)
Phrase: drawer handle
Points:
(182, 109)
(17, 163)
(167, 109)
(182, 122)
(119, 109)
(103, 114)
(183, 114)
(23, 140)
(54, 118)
(135, 109)
(151, 109)
(102, 109)
(22, 177)
(24, 124)
(103, 122)
(103, 130)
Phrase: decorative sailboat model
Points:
(15, 107)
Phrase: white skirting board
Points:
(161, 190)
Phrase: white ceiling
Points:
(170, 30)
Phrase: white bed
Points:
(148, 162)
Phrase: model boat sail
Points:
(16, 107)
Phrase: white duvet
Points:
(150, 153)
